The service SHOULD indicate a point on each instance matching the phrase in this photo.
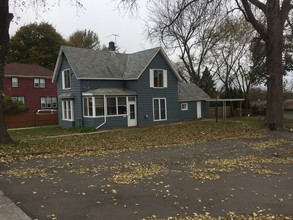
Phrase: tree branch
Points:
(259, 5)
(286, 7)
(251, 18)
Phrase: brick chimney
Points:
(111, 46)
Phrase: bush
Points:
(10, 105)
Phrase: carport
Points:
(224, 102)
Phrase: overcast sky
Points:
(100, 16)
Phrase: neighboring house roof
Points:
(191, 92)
(26, 70)
(104, 65)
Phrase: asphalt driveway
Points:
(244, 176)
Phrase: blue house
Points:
(110, 89)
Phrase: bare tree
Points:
(268, 19)
(192, 33)
(5, 19)
(231, 55)
(270, 29)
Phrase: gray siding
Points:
(187, 114)
(75, 90)
(117, 121)
(145, 94)
(191, 113)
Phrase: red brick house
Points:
(31, 84)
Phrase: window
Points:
(184, 106)
(95, 106)
(67, 110)
(122, 109)
(88, 106)
(54, 102)
(99, 105)
(39, 83)
(14, 82)
(49, 102)
(43, 102)
(111, 106)
(18, 98)
(66, 82)
(159, 109)
(158, 78)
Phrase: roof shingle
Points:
(26, 70)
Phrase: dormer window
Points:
(158, 78)
(66, 81)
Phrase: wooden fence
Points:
(30, 119)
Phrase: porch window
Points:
(94, 106)
(99, 105)
(159, 109)
(88, 106)
(111, 106)
(122, 109)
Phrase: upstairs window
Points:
(14, 82)
(66, 81)
(158, 78)
(39, 83)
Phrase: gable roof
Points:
(92, 64)
(26, 70)
(191, 92)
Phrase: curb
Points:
(8, 209)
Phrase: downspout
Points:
(105, 116)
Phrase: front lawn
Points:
(57, 142)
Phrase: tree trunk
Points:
(5, 19)
(274, 48)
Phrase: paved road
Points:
(243, 176)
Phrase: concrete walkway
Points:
(8, 210)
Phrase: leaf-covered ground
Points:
(196, 170)
(56, 142)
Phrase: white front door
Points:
(198, 109)
(131, 113)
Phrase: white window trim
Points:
(63, 79)
(93, 108)
(72, 110)
(182, 108)
(16, 83)
(152, 79)
(166, 111)
(105, 107)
